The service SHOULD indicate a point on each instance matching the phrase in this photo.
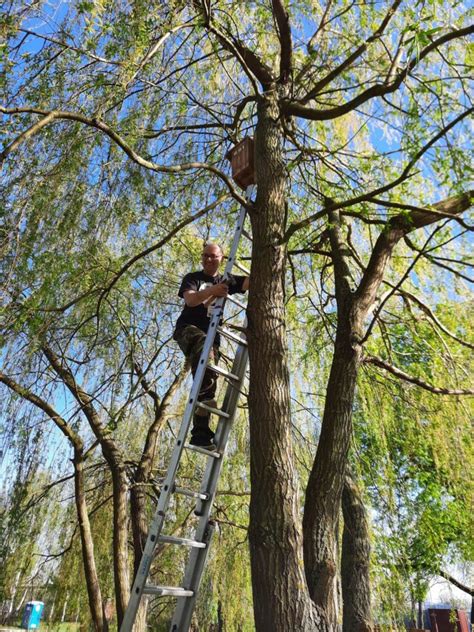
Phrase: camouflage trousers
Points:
(191, 340)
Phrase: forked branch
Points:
(396, 228)
(295, 108)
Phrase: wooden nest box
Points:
(241, 160)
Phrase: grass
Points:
(45, 627)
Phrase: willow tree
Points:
(413, 442)
(354, 110)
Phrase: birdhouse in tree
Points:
(241, 160)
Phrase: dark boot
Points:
(201, 434)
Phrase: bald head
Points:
(212, 256)
(213, 245)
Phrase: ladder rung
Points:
(171, 591)
(190, 493)
(241, 267)
(247, 235)
(170, 539)
(214, 411)
(196, 448)
(236, 302)
(231, 336)
(227, 374)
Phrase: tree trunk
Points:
(280, 594)
(53, 608)
(120, 539)
(326, 480)
(420, 614)
(115, 461)
(22, 600)
(92, 581)
(138, 519)
(355, 561)
(324, 491)
(11, 607)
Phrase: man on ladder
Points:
(197, 333)
(199, 291)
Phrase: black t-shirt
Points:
(200, 316)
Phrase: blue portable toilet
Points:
(32, 615)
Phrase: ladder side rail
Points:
(197, 559)
(168, 484)
(196, 564)
(235, 242)
(231, 398)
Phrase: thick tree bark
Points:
(138, 517)
(90, 572)
(324, 490)
(281, 599)
(326, 480)
(120, 539)
(139, 522)
(355, 561)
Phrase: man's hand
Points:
(206, 296)
(219, 290)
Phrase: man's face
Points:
(211, 259)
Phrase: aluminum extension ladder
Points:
(187, 593)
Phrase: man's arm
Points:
(193, 298)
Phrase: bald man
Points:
(199, 291)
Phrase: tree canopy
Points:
(117, 117)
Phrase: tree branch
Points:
(110, 449)
(126, 266)
(406, 171)
(429, 312)
(161, 410)
(414, 380)
(40, 403)
(284, 35)
(144, 253)
(360, 313)
(73, 48)
(370, 196)
(322, 83)
(457, 583)
(155, 48)
(423, 209)
(377, 90)
(339, 253)
(450, 207)
(251, 64)
(397, 227)
(51, 116)
(320, 29)
(295, 226)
